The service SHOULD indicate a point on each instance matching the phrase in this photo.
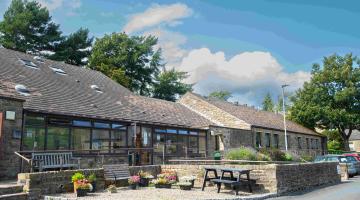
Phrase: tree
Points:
(74, 49)
(331, 99)
(132, 59)
(221, 95)
(28, 27)
(169, 85)
(267, 103)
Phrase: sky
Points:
(248, 47)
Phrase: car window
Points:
(350, 158)
(333, 159)
(343, 160)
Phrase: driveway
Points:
(349, 190)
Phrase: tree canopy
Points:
(169, 85)
(331, 99)
(28, 27)
(131, 61)
(267, 103)
(74, 49)
(221, 95)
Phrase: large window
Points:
(288, 139)
(34, 133)
(202, 145)
(100, 140)
(146, 136)
(159, 142)
(80, 139)
(267, 140)
(307, 143)
(182, 146)
(193, 144)
(118, 139)
(58, 138)
(299, 142)
(171, 140)
(258, 140)
(276, 140)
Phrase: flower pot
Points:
(93, 184)
(185, 187)
(192, 183)
(144, 182)
(163, 186)
(81, 192)
(133, 186)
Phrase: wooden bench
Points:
(58, 160)
(116, 172)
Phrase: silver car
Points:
(341, 159)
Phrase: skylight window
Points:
(58, 70)
(39, 59)
(28, 63)
(21, 89)
(96, 88)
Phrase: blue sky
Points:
(247, 47)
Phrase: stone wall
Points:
(275, 178)
(9, 162)
(41, 183)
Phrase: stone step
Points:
(14, 196)
(10, 189)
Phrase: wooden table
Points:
(236, 182)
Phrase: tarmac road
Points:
(349, 190)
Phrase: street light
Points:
(283, 97)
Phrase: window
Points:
(312, 143)
(118, 139)
(267, 140)
(307, 143)
(276, 140)
(195, 133)
(173, 131)
(100, 140)
(81, 139)
(146, 136)
(96, 88)
(183, 132)
(258, 140)
(57, 138)
(159, 142)
(299, 142)
(119, 126)
(288, 138)
(59, 121)
(28, 63)
(82, 123)
(101, 125)
(58, 71)
(193, 144)
(317, 144)
(182, 147)
(33, 138)
(202, 145)
(34, 121)
(171, 141)
(132, 136)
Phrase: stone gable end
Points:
(212, 113)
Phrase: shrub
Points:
(92, 178)
(241, 153)
(306, 158)
(274, 154)
(77, 176)
(288, 157)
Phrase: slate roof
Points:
(258, 118)
(355, 135)
(72, 95)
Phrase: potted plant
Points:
(75, 178)
(134, 182)
(112, 189)
(185, 185)
(161, 183)
(82, 188)
(144, 178)
(92, 181)
(190, 179)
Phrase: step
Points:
(10, 189)
(14, 196)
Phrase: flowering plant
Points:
(82, 184)
(146, 175)
(187, 178)
(134, 180)
(160, 181)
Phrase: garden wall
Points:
(275, 178)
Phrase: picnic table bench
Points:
(234, 182)
(53, 160)
(116, 172)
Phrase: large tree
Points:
(223, 95)
(74, 49)
(133, 60)
(28, 27)
(267, 103)
(169, 85)
(331, 99)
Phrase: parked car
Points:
(340, 159)
(356, 163)
(355, 155)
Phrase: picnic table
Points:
(234, 182)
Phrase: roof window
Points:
(28, 63)
(39, 59)
(58, 70)
(21, 89)
(96, 88)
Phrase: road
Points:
(349, 190)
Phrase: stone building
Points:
(354, 141)
(51, 106)
(240, 125)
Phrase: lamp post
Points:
(283, 97)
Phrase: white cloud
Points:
(52, 5)
(248, 75)
(158, 15)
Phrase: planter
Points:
(168, 186)
(228, 186)
(81, 192)
(185, 187)
(144, 182)
(192, 183)
(93, 184)
(133, 186)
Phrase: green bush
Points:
(241, 153)
(274, 154)
(307, 158)
(288, 157)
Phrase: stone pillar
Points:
(10, 136)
